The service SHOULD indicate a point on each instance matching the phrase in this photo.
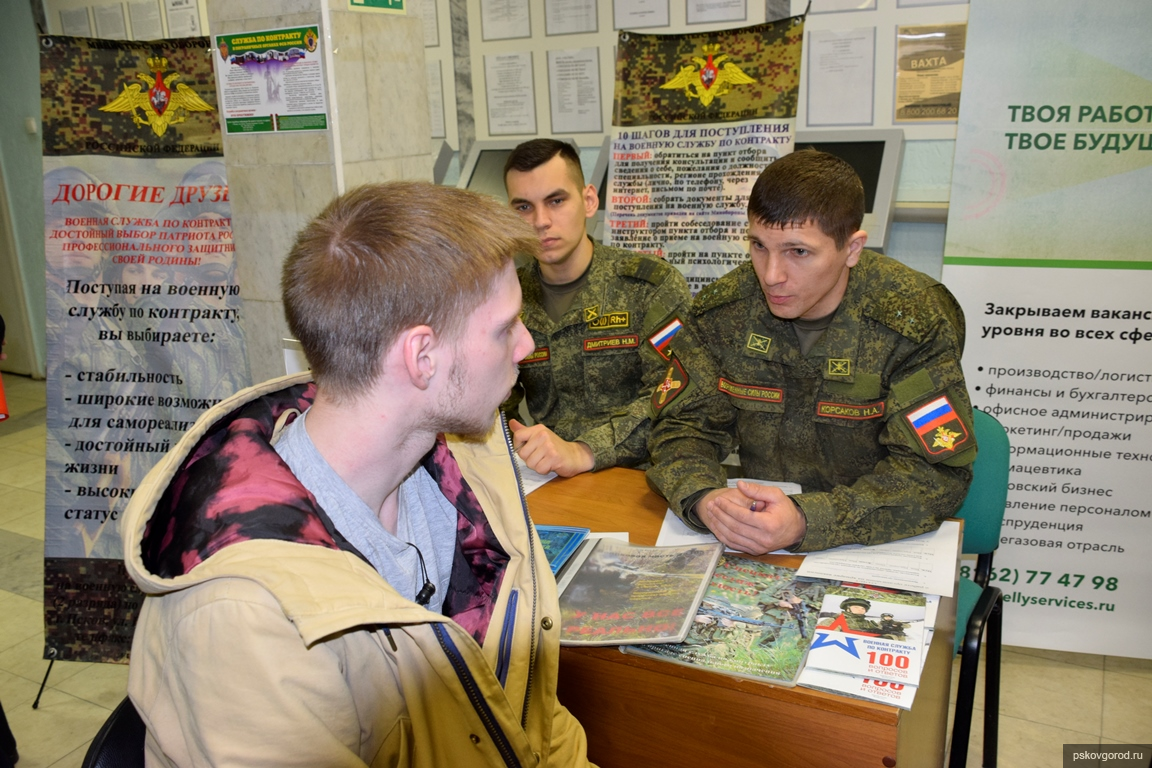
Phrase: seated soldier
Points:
(828, 365)
(593, 312)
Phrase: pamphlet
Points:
(627, 593)
(756, 621)
(871, 633)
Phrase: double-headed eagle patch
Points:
(162, 104)
(710, 79)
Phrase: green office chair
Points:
(978, 604)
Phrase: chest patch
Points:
(610, 320)
(839, 367)
(538, 355)
(611, 342)
(851, 410)
(758, 343)
(749, 392)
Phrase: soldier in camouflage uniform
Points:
(827, 365)
(853, 616)
(593, 312)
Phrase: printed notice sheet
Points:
(511, 97)
(924, 563)
(841, 76)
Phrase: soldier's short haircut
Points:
(805, 186)
(383, 258)
(532, 154)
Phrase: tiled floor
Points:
(1047, 698)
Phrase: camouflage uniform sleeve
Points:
(623, 439)
(693, 424)
(930, 442)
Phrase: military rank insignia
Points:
(758, 343)
(938, 426)
(839, 367)
(674, 383)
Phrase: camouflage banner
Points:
(142, 305)
(696, 118)
(128, 98)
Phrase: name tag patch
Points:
(610, 320)
(538, 355)
(850, 410)
(749, 392)
(611, 342)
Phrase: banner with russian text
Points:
(1047, 251)
(142, 305)
(696, 118)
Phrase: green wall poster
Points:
(271, 80)
(1047, 251)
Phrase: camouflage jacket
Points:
(591, 374)
(874, 422)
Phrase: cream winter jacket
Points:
(266, 640)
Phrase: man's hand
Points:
(544, 451)
(752, 518)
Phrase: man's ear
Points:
(591, 201)
(419, 348)
(856, 247)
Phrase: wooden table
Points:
(641, 712)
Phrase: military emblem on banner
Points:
(938, 426)
(708, 79)
(162, 104)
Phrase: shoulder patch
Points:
(674, 384)
(940, 429)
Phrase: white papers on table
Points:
(924, 563)
(531, 478)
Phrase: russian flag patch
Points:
(662, 337)
(938, 426)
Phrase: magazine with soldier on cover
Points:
(756, 621)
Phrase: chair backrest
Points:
(120, 741)
(983, 508)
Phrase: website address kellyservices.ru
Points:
(1021, 599)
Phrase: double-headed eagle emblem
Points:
(710, 79)
(162, 104)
